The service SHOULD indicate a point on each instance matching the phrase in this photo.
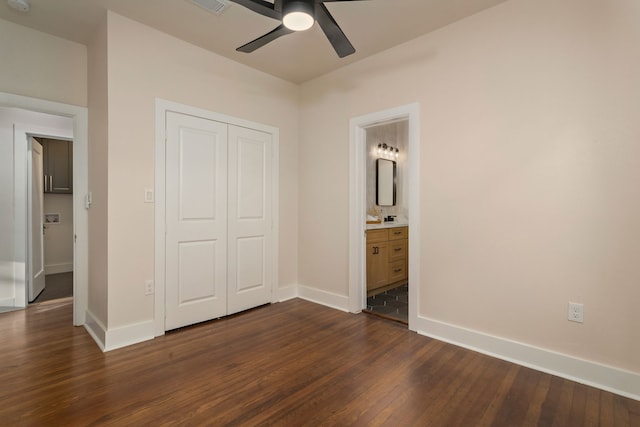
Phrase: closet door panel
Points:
(196, 216)
(250, 218)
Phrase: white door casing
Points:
(79, 133)
(249, 222)
(247, 283)
(196, 220)
(357, 204)
(36, 255)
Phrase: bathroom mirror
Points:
(385, 182)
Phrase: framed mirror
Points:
(385, 182)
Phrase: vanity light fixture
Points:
(388, 152)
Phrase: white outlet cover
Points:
(576, 312)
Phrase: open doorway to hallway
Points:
(22, 119)
(55, 218)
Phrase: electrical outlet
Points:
(576, 312)
(148, 287)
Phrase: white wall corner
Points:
(96, 329)
(286, 293)
(130, 334)
(615, 380)
(329, 299)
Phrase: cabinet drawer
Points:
(398, 233)
(381, 235)
(397, 250)
(397, 271)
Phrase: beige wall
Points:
(42, 66)
(143, 65)
(97, 170)
(529, 169)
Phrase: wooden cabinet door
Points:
(377, 264)
(397, 271)
(398, 233)
(397, 250)
(58, 166)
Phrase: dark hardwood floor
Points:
(288, 364)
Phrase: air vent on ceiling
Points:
(213, 6)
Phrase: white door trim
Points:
(162, 107)
(357, 204)
(80, 189)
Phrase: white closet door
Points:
(37, 227)
(196, 220)
(250, 219)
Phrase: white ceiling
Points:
(371, 26)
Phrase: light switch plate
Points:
(148, 195)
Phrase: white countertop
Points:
(389, 224)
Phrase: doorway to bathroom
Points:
(387, 222)
(385, 213)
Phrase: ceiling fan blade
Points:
(267, 38)
(338, 40)
(262, 7)
(277, 5)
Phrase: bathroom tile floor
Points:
(392, 303)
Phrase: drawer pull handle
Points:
(397, 249)
(397, 232)
(397, 270)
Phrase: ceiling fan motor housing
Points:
(304, 6)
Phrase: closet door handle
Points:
(50, 182)
(45, 184)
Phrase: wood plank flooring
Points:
(288, 364)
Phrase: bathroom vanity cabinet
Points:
(386, 258)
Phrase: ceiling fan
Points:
(297, 15)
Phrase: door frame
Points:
(358, 203)
(80, 186)
(162, 107)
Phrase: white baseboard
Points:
(96, 329)
(111, 339)
(615, 380)
(286, 293)
(7, 302)
(58, 268)
(129, 334)
(339, 302)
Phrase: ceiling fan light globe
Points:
(298, 15)
(298, 21)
